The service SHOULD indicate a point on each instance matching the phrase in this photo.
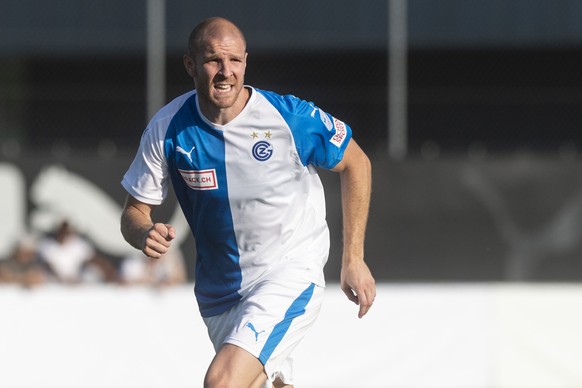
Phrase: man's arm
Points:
(356, 185)
(138, 229)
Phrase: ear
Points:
(190, 66)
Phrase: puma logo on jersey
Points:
(183, 151)
(250, 326)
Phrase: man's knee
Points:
(234, 367)
(218, 379)
(212, 380)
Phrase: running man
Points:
(242, 164)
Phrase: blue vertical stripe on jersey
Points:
(296, 309)
(218, 273)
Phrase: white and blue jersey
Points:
(248, 189)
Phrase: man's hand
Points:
(358, 285)
(157, 240)
(138, 229)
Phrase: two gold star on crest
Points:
(255, 135)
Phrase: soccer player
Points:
(241, 161)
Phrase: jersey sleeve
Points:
(147, 176)
(320, 138)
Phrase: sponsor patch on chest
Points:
(200, 179)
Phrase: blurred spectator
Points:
(100, 269)
(23, 266)
(166, 271)
(73, 259)
(66, 256)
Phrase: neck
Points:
(222, 116)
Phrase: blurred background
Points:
(470, 111)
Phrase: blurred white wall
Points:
(417, 335)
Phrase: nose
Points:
(225, 69)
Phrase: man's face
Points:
(218, 71)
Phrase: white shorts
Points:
(269, 323)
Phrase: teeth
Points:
(222, 87)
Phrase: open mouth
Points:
(222, 88)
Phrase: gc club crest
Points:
(262, 150)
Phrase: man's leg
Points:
(279, 384)
(234, 367)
